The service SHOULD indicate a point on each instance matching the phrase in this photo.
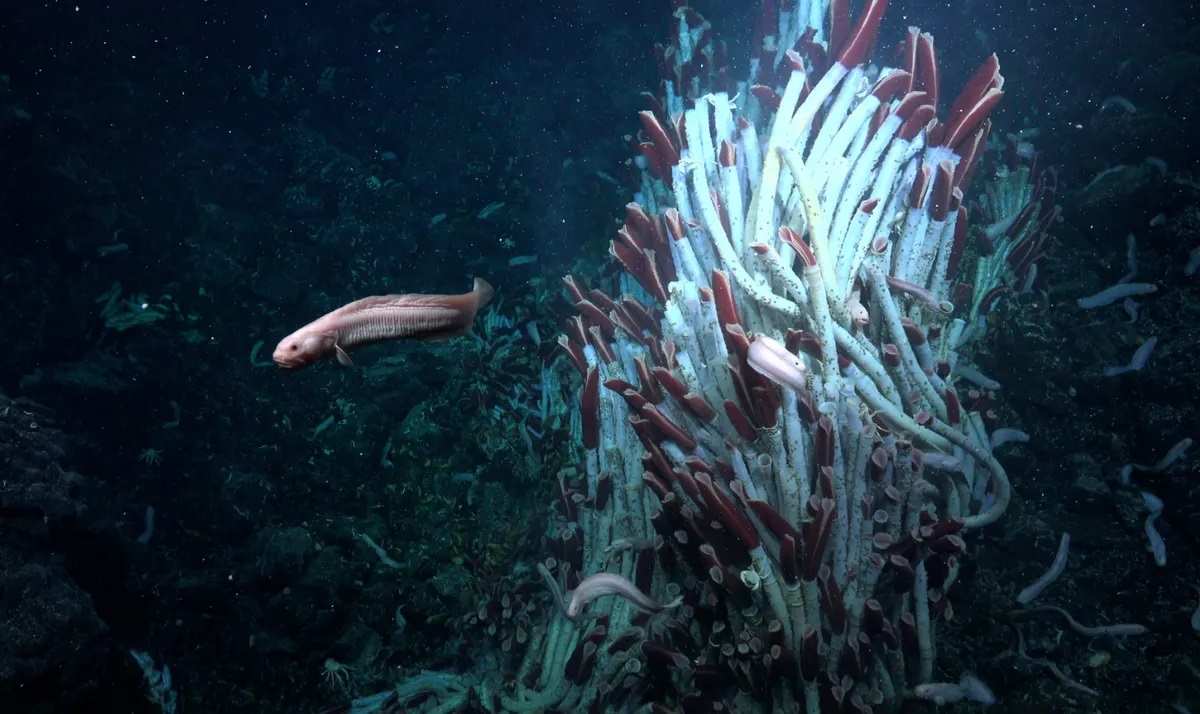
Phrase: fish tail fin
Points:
(483, 293)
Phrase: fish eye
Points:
(295, 347)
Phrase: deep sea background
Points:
(180, 181)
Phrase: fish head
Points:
(302, 348)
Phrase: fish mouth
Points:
(285, 363)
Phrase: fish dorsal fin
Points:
(342, 357)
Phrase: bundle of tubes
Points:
(780, 459)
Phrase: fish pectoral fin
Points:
(342, 357)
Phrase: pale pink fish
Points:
(771, 358)
(602, 584)
(379, 318)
